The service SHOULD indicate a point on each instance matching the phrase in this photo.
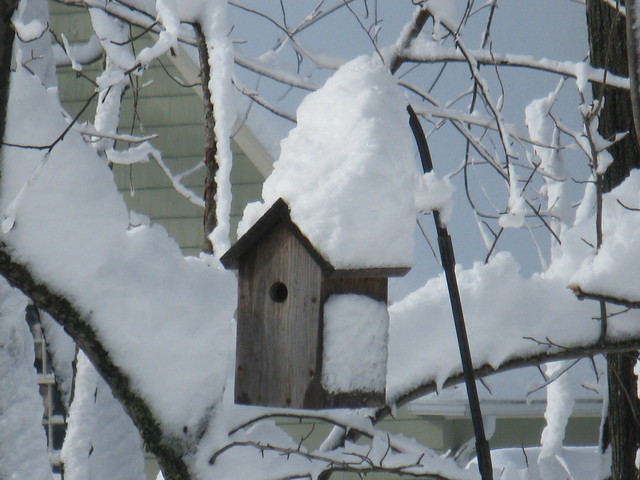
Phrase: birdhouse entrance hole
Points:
(278, 292)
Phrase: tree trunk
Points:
(623, 425)
(7, 35)
(608, 49)
(210, 148)
(169, 451)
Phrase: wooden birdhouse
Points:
(283, 285)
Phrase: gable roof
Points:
(279, 213)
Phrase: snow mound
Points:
(355, 344)
(347, 170)
(615, 270)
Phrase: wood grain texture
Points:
(283, 285)
(277, 341)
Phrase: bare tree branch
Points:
(581, 294)
(547, 352)
(362, 465)
(485, 57)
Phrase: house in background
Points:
(175, 113)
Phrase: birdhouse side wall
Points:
(278, 356)
(374, 287)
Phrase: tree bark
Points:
(168, 451)
(210, 148)
(7, 35)
(608, 49)
(623, 422)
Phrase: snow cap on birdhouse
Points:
(314, 257)
(348, 172)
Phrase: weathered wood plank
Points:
(376, 288)
(277, 347)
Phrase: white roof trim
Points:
(244, 137)
(501, 408)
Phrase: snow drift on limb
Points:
(165, 319)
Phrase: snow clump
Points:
(347, 170)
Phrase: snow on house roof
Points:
(347, 170)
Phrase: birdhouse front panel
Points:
(278, 357)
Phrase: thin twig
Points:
(52, 145)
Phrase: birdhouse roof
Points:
(279, 213)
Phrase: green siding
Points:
(172, 112)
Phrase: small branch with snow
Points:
(409, 33)
(552, 378)
(298, 416)
(146, 150)
(484, 89)
(52, 145)
(89, 131)
(582, 295)
(424, 54)
(361, 464)
(321, 61)
(278, 74)
(256, 97)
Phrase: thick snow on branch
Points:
(615, 270)
(167, 15)
(434, 193)
(542, 130)
(220, 55)
(68, 54)
(532, 315)
(63, 354)
(560, 404)
(111, 32)
(165, 319)
(514, 218)
(497, 299)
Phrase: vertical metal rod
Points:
(447, 257)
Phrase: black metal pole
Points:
(447, 257)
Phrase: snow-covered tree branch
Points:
(513, 125)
